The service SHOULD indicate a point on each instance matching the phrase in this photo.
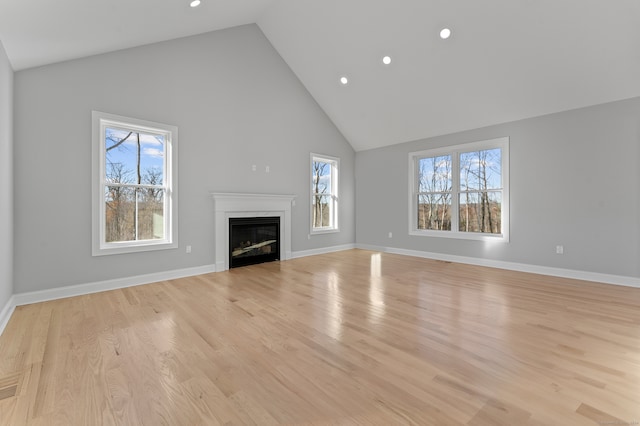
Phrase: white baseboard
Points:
(6, 312)
(512, 266)
(323, 250)
(95, 287)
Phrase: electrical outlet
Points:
(254, 168)
(559, 249)
(390, 234)
(188, 249)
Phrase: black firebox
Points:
(253, 240)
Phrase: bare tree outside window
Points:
(434, 193)
(324, 193)
(134, 198)
(134, 185)
(321, 205)
(481, 191)
(461, 190)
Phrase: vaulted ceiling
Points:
(505, 60)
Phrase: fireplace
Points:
(229, 205)
(253, 240)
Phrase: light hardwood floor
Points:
(353, 337)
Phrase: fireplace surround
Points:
(244, 205)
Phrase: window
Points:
(461, 191)
(324, 194)
(134, 185)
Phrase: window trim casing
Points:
(99, 247)
(455, 151)
(335, 185)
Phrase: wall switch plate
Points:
(390, 234)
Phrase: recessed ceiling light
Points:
(445, 33)
(386, 60)
(344, 80)
(194, 3)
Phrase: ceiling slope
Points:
(39, 32)
(506, 60)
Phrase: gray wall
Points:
(6, 179)
(236, 104)
(575, 181)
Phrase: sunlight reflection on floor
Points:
(377, 307)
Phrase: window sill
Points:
(500, 238)
(325, 231)
(124, 248)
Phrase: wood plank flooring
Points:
(354, 338)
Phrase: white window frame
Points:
(335, 167)
(99, 122)
(454, 152)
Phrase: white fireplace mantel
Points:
(230, 204)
